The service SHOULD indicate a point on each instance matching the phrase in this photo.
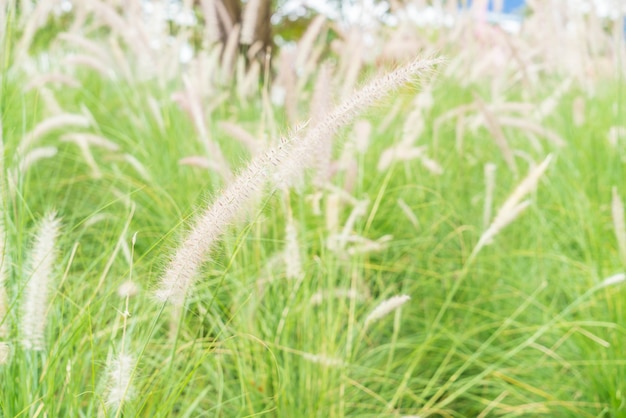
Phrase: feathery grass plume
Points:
(211, 26)
(5, 352)
(413, 127)
(51, 124)
(106, 13)
(385, 308)
(350, 294)
(199, 162)
(398, 153)
(513, 205)
(90, 139)
(354, 54)
(229, 55)
(90, 62)
(306, 42)
(409, 213)
(120, 61)
(613, 280)
(529, 126)
(95, 49)
(193, 105)
(287, 158)
(323, 360)
(617, 210)
(51, 78)
(286, 84)
(362, 245)
(240, 134)
(304, 150)
(39, 274)
(35, 155)
(249, 22)
(320, 102)
(293, 263)
(34, 21)
(498, 135)
(248, 84)
(120, 373)
(547, 107)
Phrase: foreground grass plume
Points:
(279, 165)
(120, 370)
(39, 277)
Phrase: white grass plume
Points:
(617, 210)
(494, 127)
(513, 205)
(305, 149)
(613, 280)
(323, 360)
(5, 353)
(249, 22)
(35, 155)
(39, 277)
(51, 124)
(386, 307)
(280, 163)
(120, 373)
(293, 262)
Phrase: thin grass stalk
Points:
(4, 259)
(490, 184)
(4, 297)
(619, 225)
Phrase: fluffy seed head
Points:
(285, 162)
(120, 377)
(386, 307)
(39, 275)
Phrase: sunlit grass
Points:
(522, 327)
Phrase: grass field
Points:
(363, 286)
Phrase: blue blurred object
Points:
(508, 7)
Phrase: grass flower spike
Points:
(39, 277)
(280, 164)
(386, 307)
(513, 205)
(120, 377)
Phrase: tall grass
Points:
(351, 269)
